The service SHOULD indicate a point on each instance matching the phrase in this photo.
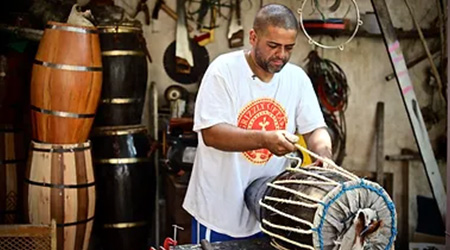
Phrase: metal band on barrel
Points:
(61, 150)
(66, 66)
(123, 53)
(121, 160)
(59, 186)
(117, 29)
(75, 223)
(15, 161)
(121, 100)
(71, 29)
(126, 224)
(125, 131)
(61, 113)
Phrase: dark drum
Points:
(124, 76)
(125, 187)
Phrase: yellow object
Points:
(306, 158)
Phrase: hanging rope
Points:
(330, 83)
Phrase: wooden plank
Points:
(57, 195)
(24, 230)
(82, 198)
(380, 142)
(411, 104)
(70, 199)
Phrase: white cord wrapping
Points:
(320, 180)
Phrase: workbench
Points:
(253, 244)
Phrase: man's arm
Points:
(319, 141)
(227, 137)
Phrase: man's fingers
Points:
(290, 137)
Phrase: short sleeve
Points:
(214, 100)
(309, 115)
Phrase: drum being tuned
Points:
(323, 208)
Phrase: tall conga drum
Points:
(65, 84)
(59, 184)
(323, 208)
(124, 75)
(12, 170)
(125, 187)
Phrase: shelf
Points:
(401, 34)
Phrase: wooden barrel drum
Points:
(59, 184)
(124, 76)
(319, 208)
(65, 84)
(125, 187)
(12, 171)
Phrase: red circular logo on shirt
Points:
(262, 114)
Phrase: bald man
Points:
(249, 106)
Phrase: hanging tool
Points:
(184, 59)
(207, 33)
(142, 6)
(235, 29)
(161, 5)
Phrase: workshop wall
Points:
(365, 62)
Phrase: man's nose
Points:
(281, 53)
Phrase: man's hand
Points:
(280, 142)
(319, 142)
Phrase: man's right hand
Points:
(280, 142)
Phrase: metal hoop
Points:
(340, 46)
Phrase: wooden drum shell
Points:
(125, 187)
(59, 184)
(66, 84)
(124, 76)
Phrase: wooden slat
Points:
(83, 199)
(24, 230)
(57, 195)
(70, 199)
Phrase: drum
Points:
(59, 184)
(65, 83)
(322, 208)
(126, 187)
(12, 170)
(124, 76)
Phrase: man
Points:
(249, 105)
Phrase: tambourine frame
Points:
(340, 46)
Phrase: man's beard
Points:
(265, 64)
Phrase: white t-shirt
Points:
(229, 94)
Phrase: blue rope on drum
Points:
(344, 189)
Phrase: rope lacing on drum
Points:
(331, 167)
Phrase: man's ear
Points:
(252, 37)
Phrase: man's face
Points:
(273, 47)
